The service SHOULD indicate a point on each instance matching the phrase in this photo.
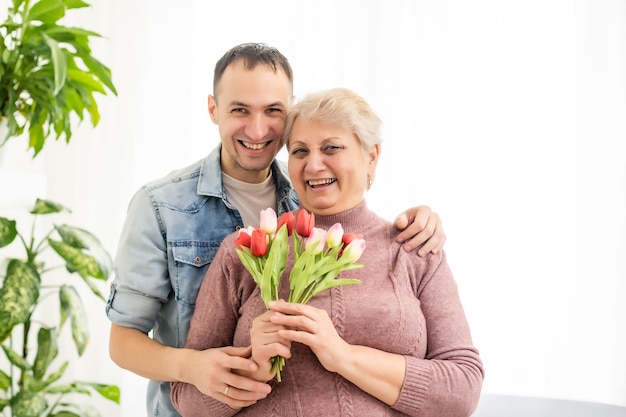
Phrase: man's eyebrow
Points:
(276, 104)
(236, 103)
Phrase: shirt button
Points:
(198, 259)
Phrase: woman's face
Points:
(328, 166)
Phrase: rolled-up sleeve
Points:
(141, 282)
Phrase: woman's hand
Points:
(312, 327)
(266, 343)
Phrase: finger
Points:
(244, 388)
(434, 244)
(416, 232)
(285, 307)
(243, 351)
(401, 222)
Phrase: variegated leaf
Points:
(18, 295)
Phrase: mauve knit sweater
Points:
(405, 304)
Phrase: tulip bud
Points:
(289, 219)
(334, 235)
(268, 221)
(316, 238)
(304, 223)
(258, 242)
(354, 250)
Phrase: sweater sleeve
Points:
(212, 325)
(448, 381)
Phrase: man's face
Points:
(249, 108)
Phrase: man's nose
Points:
(258, 127)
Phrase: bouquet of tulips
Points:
(319, 257)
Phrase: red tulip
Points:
(305, 222)
(349, 237)
(258, 242)
(244, 237)
(289, 219)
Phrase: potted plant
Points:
(48, 75)
(32, 384)
(48, 82)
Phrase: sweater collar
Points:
(354, 220)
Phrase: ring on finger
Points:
(226, 390)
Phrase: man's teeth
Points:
(254, 146)
(314, 183)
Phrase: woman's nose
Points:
(315, 161)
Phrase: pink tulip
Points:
(354, 250)
(317, 238)
(268, 221)
(334, 235)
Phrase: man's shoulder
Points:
(188, 173)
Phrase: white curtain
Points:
(507, 118)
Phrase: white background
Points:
(506, 117)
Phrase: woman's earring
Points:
(369, 182)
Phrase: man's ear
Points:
(212, 102)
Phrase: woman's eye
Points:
(331, 148)
(298, 151)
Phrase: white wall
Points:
(506, 117)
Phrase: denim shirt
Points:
(172, 231)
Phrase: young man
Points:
(175, 225)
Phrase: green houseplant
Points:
(48, 75)
(32, 386)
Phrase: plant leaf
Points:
(8, 231)
(46, 11)
(75, 4)
(16, 359)
(5, 382)
(110, 392)
(47, 350)
(48, 207)
(58, 63)
(83, 240)
(29, 404)
(55, 376)
(72, 307)
(66, 413)
(18, 295)
(76, 260)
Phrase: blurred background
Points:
(507, 118)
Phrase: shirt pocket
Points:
(191, 262)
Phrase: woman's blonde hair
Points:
(338, 107)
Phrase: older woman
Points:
(396, 344)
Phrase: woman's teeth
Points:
(315, 183)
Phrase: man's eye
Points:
(239, 110)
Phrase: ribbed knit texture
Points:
(405, 304)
